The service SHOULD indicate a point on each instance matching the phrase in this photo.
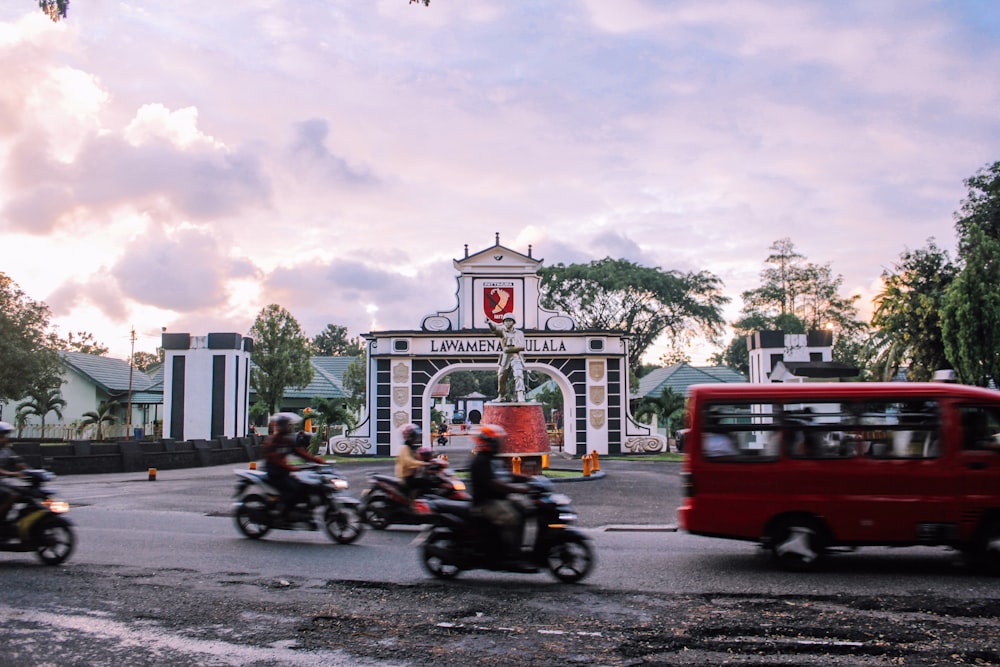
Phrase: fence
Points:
(82, 457)
(67, 432)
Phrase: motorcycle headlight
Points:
(57, 506)
(567, 517)
(340, 484)
(459, 485)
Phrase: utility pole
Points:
(131, 365)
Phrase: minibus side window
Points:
(899, 429)
(819, 430)
(980, 428)
(738, 431)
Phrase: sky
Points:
(182, 164)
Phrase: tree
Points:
(795, 296)
(907, 316)
(668, 408)
(144, 361)
(43, 400)
(280, 355)
(329, 411)
(28, 356)
(643, 302)
(980, 209)
(105, 414)
(84, 342)
(355, 382)
(970, 317)
(333, 342)
(56, 9)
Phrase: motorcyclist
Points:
(11, 466)
(278, 446)
(407, 463)
(491, 486)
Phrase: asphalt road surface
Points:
(161, 578)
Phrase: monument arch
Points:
(590, 367)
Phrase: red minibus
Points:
(805, 468)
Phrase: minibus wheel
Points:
(798, 544)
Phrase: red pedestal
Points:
(525, 426)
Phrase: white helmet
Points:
(5, 428)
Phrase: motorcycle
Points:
(323, 495)
(35, 521)
(386, 501)
(459, 540)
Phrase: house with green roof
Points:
(681, 376)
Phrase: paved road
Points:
(161, 577)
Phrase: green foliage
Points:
(144, 361)
(41, 401)
(668, 407)
(332, 411)
(970, 318)
(907, 316)
(105, 414)
(84, 342)
(333, 342)
(980, 209)
(796, 297)
(280, 355)
(551, 399)
(57, 9)
(618, 295)
(464, 383)
(28, 356)
(355, 382)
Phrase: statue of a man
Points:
(510, 371)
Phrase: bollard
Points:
(253, 465)
(586, 465)
(596, 461)
(515, 464)
(545, 461)
(152, 474)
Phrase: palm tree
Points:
(328, 411)
(104, 413)
(42, 401)
(667, 407)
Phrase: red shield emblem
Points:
(497, 302)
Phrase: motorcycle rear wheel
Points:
(343, 523)
(250, 517)
(570, 560)
(54, 540)
(433, 557)
(376, 512)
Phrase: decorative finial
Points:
(529, 250)
(498, 238)
(466, 250)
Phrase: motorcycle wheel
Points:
(377, 511)
(433, 556)
(54, 541)
(570, 560)
(343, 523)
(250, 517)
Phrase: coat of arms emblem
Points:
(497, 302)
